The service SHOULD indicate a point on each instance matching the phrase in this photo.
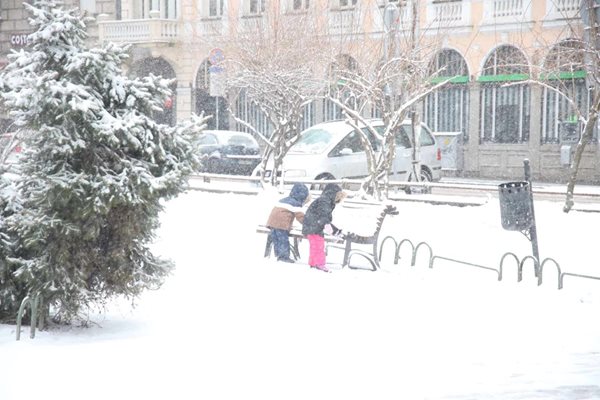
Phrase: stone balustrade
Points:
(153, 30)
(561, 9)
(448, 14)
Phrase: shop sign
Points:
(19, 40)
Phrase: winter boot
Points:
(321, 268)
(287, 260)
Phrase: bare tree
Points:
(591, 48)
(571, 74)
(274, 63)
(393, 86)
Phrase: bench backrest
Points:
(388, 210)
(372, 238)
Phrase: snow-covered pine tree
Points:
(10, 286)
(93, 174)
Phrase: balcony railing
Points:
(448, 13)
(252, 23)
(507, 8)
(506, 11)
(562, 9)
(211, 26)
(154, 30)
(404, 21)
(344, 21)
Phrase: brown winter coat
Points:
(282, 216)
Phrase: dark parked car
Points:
(228, 152)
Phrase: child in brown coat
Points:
(282, 217)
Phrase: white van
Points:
(333, 150)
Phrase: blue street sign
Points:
(215, 56)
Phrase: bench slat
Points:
(297, 233)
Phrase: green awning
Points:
(503, 78)
(452, 79)
(564, 75)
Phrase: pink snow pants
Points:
(317, 250)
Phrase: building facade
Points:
(488, 48)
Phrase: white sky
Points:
(229, 324)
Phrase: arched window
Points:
(446, 109)
(159, 67)
(207, 104)
(343, 65)
(248, 111)
(308, 116)
(505, 109)
(564, 70)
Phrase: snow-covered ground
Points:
(229, 324)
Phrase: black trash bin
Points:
(515, 205)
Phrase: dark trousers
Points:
(281, 243)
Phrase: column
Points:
(535, 131)
(184, 100)
(471, 150)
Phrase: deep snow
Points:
(229, 324)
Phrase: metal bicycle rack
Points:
(432, 257)
(499, 271)
(35, 304)
(517, 214)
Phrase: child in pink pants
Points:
(316, 257)
(317, 218)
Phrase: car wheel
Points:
(321, 186)
(425, 177)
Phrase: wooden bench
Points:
(346, 243)
(295, 237)
(352, 238)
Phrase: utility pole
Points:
(415, 115)
(589, 12)
(590, 17)
(390, 22)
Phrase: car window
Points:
(426, 138)
(372, 138)
(403, 139)
(207, 139)
(403, 136)
(313, 141)
(351, 141)
(241, 140)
